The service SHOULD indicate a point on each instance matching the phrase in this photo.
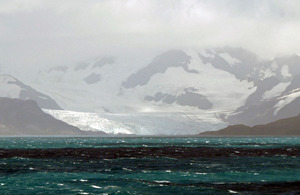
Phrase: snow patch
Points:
(285, 71)
(276, 90)
(285, 100)
(229, 59)
(266, 73)
(274, 65)
(207, 53)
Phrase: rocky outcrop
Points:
(283, 127)
(19, 117)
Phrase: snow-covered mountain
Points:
(275, 98)
(227, 84)
(11, 87)
(232, 82)
(25, 117)
(175, 81)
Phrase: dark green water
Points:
(142, 173)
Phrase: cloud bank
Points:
(53, 32)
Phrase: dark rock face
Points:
(256, 111)
(262, 87)
(188, 98)
(18, 117)
(295, 84)
(292, 62)
(262, 111)
(241, 70)
(92, 78)
(98, 64)
(283, 127)
(104, 61)
(174, 58)
(81, 66)
(27, 92)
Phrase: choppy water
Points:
(149, 165)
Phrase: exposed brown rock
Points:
(283, 127)
(19, 117)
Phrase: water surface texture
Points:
(149, 165)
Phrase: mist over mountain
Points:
(224, 79)
(219, 86)
(214, 62)
(11, 87)
(149, 96)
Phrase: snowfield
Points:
(140, 123)
(89, 121)
(172, 92)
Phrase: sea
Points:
(149, 165)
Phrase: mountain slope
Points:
(227, 84)
(11, 87)
(173, 81)
(261, 109)
(283, 127)
(18, 117)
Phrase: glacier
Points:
(152, 123)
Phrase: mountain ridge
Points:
(25, 117)
(230, 85)
(14, 88)
(283, 127)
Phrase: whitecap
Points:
(219, 183)
(94, 186)
(163, 181)
(201, 173)
(126, 169)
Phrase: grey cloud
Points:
(47, 32)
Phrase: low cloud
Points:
(47, 32)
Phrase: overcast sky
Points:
(55, 32)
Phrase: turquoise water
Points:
(96, 142)
(145, 174)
